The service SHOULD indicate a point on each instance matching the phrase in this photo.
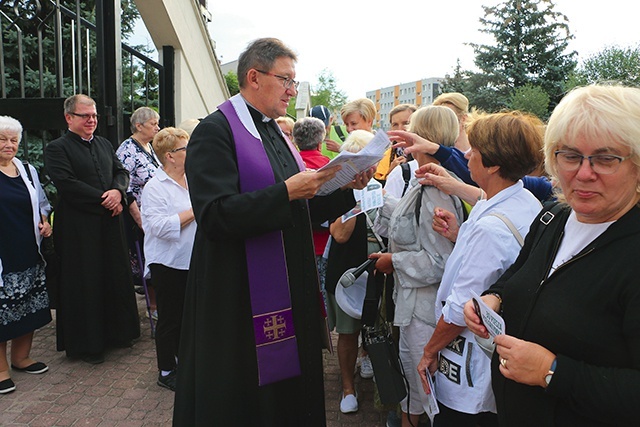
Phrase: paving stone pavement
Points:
(122, 392)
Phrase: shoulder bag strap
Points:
(26, 167)
(406, 175)
(339, 132)
(511, 227)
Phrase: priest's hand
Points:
(305, 185)
(112, 200)
(361, 180)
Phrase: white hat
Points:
(351, 299)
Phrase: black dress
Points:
(24, 303)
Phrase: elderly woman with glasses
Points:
(168, 221)
(137, 156)
(24, 303)
(571, 301)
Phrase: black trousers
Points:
(170, 285)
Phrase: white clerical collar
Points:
(265, 119)
(86, 140)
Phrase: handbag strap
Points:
(28, 169)
(511, 227)
(383, 247)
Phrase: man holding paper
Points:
(250, 350)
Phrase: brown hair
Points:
(511, 140)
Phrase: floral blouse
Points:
(141, 165)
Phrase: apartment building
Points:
(420, 93)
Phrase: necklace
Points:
(10, 172)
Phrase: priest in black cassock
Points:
(97, 306)
(251, 343)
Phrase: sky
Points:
(383, 43)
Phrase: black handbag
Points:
(380, 344)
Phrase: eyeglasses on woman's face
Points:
(602, 164)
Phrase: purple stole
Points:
(276, 344)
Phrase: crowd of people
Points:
(537, 220)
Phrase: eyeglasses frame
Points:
(286, 81)
(590, 158)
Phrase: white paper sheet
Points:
(354, 163)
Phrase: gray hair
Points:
(9, 124)
(142, 115)
(262, 54)
(308, 132)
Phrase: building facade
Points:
(419, 93)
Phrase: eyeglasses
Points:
(178, 149)
(286, 81)
(86, 116)
(603, 164)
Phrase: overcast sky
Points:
(368, 45)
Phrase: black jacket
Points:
(587, 313)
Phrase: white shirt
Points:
(577, 235)
(164, 241)
(484, 250)
(395, 181)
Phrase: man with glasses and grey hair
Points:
(97, 307)
(250, 348)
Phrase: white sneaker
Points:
(348, 404)
(366, 369)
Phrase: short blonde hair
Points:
(437, 124)
(167, 140)
(356, 141)
(607, 112)
(458, 101)
(363, 106)
(286, 120)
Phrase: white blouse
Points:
(164, 241)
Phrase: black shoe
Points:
(168, 381)
(34, 368)
(7, 386)
(94, 359)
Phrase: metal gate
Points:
(52, 49)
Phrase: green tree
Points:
(530, 98)
(232, 83)
(612, 64)
(456, 82)
(326, 92)
(23, 23)
(531, 41)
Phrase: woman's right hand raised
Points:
(445, 224)
(412, 142)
